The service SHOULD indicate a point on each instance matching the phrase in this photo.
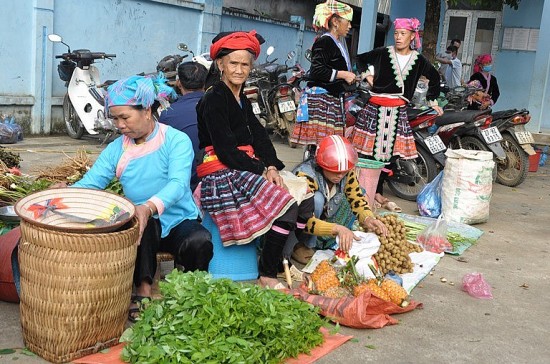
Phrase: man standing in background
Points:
(453, 71)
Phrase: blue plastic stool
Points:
(236, 262)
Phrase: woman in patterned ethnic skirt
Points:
(241, 187)
(320, 111)
(382, 130)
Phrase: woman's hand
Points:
(143, 214)
(347, 76)
(438, 109)
(273, 176)
(345, 237)
(373, 224)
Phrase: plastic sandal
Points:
(391, 206)
(133, 312)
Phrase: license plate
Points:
(525, 137)
(256, 108)
(286, 106)
(435, 144)
(491, 135)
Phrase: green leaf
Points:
(372, 347)
(6, 351)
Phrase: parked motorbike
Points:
(169, 64)
(83, 105)
(276, 103)
(517, 144)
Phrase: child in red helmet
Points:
(338, 199)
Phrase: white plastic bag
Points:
(467, 186)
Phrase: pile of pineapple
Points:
(330, 282)
(393, 254)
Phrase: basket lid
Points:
(76, 210)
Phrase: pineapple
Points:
(324, 277)
(397, 294)
(372, 284)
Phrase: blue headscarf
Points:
(139, 90)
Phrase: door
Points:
(479, 31)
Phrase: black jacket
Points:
(223, 124)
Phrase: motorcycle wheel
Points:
(427, 170)
(513, 170)
(74, 126)
(473, 143)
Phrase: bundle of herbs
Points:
(200, 319)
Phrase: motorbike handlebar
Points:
(110, 55)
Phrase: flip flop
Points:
(296, 274)
(391, 206)
(133, 312)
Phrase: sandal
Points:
(279, 286)
(296, 274)
(391, 206)
(133, 312)
(302, 254)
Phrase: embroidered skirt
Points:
(383, 132)
(325, 119)
(243, 205)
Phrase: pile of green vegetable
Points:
(200, 319)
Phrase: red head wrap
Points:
(482, 60)
(236, 41)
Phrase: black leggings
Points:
(189, 242)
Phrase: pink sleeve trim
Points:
(158, 203)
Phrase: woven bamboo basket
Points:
(75, 289)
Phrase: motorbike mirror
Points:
(270, 50)
(307, 54)
(290, 55)
(55, 38)
(183, 47)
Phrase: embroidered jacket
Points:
(387, 76)
(492, 90)
(225, 125)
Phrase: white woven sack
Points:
(467, 186)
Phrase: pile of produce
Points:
(200, 319)
(15, 185)
(394, 251)
(70, 170)
(8, 158)
(329, 281)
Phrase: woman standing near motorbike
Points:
(382, 130)
(482, 72)
(320, 113)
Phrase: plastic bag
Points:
(434, 237)
(429, 199)
(476, 286)
(7, 134)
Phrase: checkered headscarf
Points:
(324, 11)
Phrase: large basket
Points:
(75, 289)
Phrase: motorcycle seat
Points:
(451, 117)
(505, 114)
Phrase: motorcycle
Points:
(277, 94)
(517, 144)
(83, 104)
(169, 64)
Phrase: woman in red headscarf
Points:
(482, 72)
(241, 187)
(382, 131)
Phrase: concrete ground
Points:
(453, 327)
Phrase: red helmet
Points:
(336, 154)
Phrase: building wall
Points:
(139, 32)
(514, 69)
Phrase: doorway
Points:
(479, 32)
